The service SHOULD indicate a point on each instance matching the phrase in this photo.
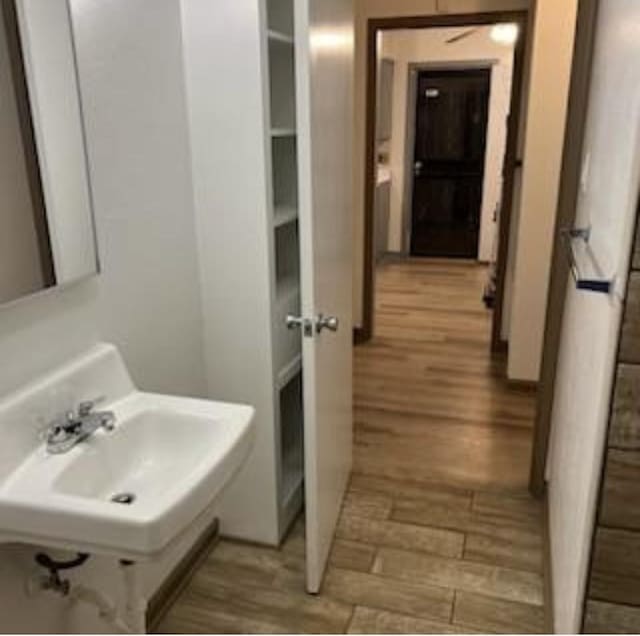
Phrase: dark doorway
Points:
(452, 110)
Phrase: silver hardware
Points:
(297, 322)
(326, 322)
(598, 283)
(71, 429)
(84, 408)
(417, 168)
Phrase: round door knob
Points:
(327, 322)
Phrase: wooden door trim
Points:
(567, 200)
(374, 25)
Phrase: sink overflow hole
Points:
(125, 498)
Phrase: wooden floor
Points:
(437, 533)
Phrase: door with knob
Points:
(324, 68)
(452, 109)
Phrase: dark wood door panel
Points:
(449, 155)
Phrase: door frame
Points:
(579, 91)
(512, 162)
(415, 68)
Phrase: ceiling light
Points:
(506, 34)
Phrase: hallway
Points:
(437, 532)
(430, 403)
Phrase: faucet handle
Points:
(85, 407)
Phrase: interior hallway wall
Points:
(429, 46)
(590, 342)
(146, 299)
(553, 40)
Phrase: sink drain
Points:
(124, 498)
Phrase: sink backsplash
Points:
(100, 372)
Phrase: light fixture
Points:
(506, 33)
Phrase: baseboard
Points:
(527, 386)
(502, 346)
(547, 578)
(168, 592)
(359, 336)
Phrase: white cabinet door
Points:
(324, 75)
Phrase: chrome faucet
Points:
(65, 432)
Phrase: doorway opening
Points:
(443, 147)
(442, 155)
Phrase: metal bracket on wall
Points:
(576, 243)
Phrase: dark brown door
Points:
(451, 133)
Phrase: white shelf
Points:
(280, 16)
(292, 479)
(284, 214)
(280, 37)
(289, 371)
(283, 132)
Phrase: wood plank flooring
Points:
(437, 532)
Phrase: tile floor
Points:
(437, 532)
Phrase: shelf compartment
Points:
(284, 159)
(283, 132)
(291, 438)
(288, 342)
(280, 37)
(283, 215)
(290, 508)
(280, 16)
(287, 259)
(282, 84)
(289, 371)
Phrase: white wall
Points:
(554, 33)
(147, 298)
(608, 200)
(365, 10)
(20, 266)
(422, 46)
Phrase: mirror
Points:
(47, 235)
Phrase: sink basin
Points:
(130, 492)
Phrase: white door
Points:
(607, 203)
(324, 75)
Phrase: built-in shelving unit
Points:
(251, 267)
(286, 253)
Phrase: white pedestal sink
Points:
(169, 457)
